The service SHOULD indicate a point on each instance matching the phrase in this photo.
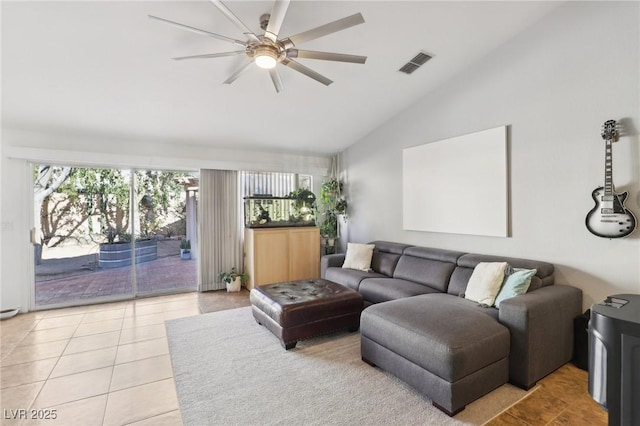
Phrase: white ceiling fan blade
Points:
(306, 71)
(198, 31)
(326, 56)
(275, 77)
(211, 55)
(326, 29)
(236, 21)
(233, 77)
(276, 19)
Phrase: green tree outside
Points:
(67, 200)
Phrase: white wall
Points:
(17, 256)
(19, 147)
(554, 85)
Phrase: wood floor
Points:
(109, 365)
(562, 398)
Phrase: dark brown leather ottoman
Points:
(298, 310)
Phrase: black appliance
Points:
(614, 357)
(581, 340)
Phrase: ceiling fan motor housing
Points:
(267, 50)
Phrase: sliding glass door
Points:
(165, 231)
(81, 235)
(111, 234)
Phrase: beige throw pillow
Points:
(358, 256)
(485, 282)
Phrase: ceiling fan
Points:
(267, 50)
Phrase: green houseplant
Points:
(233, 279)
(333, 204)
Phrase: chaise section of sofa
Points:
(445, 347)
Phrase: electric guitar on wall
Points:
(609, 218)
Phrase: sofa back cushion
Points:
(428, 266)
(386, 256)
(466, 264)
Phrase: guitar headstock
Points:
(609, 130)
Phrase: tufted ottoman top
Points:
(299, 302)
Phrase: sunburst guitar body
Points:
(609, 218)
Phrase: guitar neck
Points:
(608, 170)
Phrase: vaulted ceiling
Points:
(105, 68)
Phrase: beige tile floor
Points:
(102, 364)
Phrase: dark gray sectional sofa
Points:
(419, 328)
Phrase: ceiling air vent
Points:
(415, 63)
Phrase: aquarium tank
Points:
(264, 211)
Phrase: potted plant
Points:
(233, 279)
(185, 249)
(330, 189)
(333, 205)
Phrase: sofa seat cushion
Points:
(438, 333)
(377, 290)
(349, 277)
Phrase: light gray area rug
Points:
(231, 371)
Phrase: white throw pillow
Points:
(358, 256)
(485, 282)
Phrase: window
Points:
(267, 183)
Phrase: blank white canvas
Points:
(457, 185)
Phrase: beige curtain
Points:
(220, 227)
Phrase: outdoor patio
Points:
(79, 283)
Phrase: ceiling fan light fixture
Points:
(266, 57)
